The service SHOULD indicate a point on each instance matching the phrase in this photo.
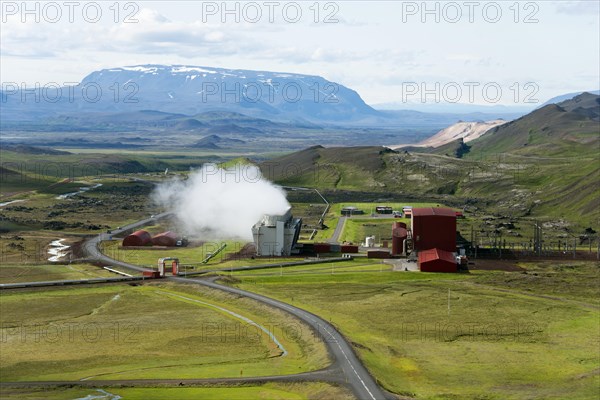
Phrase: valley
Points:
(338, 313)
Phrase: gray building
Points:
(276, 235)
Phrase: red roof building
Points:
(437, 260)
(138, 238)
(167, 239)
(434, 227)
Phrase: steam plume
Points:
(216, 203)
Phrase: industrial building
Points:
(276, 235)
(384, 210)
(351, 210)
(434, 227)
(437, 260)
(167, 239)
(138, 238)
(434, 238)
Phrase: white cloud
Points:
(369, 49)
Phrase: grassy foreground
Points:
(275, 391)
(488, 334)
(50, 272)
(149, 331)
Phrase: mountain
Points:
(116, 97)
(568, 128)
(497, 110)
(466, 131)
(191, 90)
(568, 96)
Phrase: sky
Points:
(500, 52)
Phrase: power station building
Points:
(434, 238)
(434, 227)
(276, 235)
(437, 260)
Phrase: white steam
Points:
(216, 203)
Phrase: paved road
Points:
(335, 238)
(20, 285)
(347, 368)
(92, 251)
(357, 377)
(325, 375)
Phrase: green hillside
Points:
(570, 128)
(543, 165)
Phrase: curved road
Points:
(92, 249)
(354, 373)
(357, 377)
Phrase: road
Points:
(347, 369)
(92, 250)
(20, 285)
(356, 375)
(335, 238)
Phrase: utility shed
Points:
(351, 210)
(138, 238)
(168, 239)
(437, 260)
(434, 227)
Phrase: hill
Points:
(215, 142)
(543, 165)
(334, 167)
(466, 131)
(568, 128)
(567, 96)
(32, 150)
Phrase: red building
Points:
(138, 238)
(349, 248)
(382, 254)
(168, 239)
(434, 228)
(322, 247)
(437, 260)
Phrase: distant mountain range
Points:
(456, 108)
(567, 96)
(191, 90)
(172, 96)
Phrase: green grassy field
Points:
(190, 257)
(356, 229)
(271, 391)
(149, 331)
(50, 272)
(488, 334)
(115, 203)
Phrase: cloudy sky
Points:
(376, 48)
